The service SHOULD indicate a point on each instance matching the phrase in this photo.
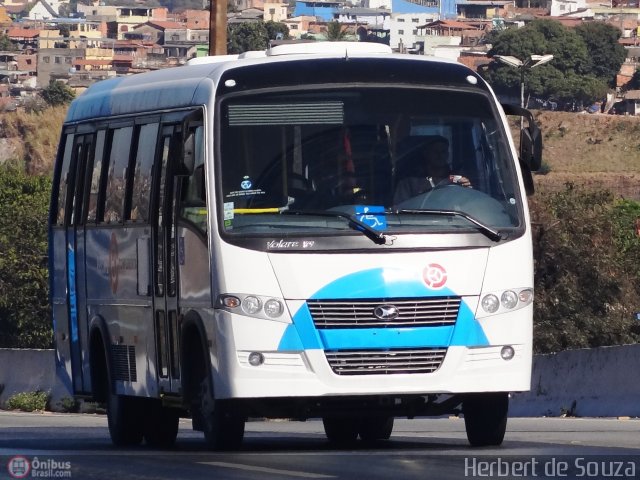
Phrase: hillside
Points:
(593, 150)
(597, 150)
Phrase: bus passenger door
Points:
(76, 282)
(165, 281)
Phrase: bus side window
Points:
(142, 177)
(116, 180)
(193, 202)
(63, 179)
(96, 176)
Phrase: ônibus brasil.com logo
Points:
(21, 467)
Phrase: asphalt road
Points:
(77, 446)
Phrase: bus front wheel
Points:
(485, 418)
(375, 428)
(223, 428)
(341, 432)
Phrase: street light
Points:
(531, 62)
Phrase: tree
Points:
(57, 93)
(6, 44)
(568, 79)
(25, 319)
(246, 36)
(335, 33)
(277, 29)
(605, 52)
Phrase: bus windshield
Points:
(404, 156)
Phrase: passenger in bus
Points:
(427, 168)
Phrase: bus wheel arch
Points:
(124, 414)
(99, 360)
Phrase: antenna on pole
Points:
(217, 27)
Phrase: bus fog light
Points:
(251, 305)
(273, 308)
(256, 359)
(509, 299)
(507, 352)
(490, 303)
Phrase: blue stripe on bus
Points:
(73, 303)
(348, 339)
(380, 283)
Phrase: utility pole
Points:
(217, 27)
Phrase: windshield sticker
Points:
(367, 215)
(245, 189)
(228, 214)
(286, 244)
(228, 210)
(434, 276)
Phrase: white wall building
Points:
(570, 8)
(404, 28)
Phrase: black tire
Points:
(375, 428)
(222, 426)
(161, 424)
(485, 418)
(125, 417)
(341, 432)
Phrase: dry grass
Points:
(37, 136)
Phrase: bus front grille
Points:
(412, 312)
(385, 362)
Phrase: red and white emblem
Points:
(434, 276)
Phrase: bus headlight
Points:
(256, 306)
(490, 303)
(251, 305)
(507, 300)
(273, 308)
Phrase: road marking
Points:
(254, 468)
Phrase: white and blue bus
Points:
(225, 244)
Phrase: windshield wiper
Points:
(375, 235)
(491, 233)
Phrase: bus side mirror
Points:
(530, 153)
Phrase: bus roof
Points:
(193, 84)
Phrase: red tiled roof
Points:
(164, 25)
(23, 33)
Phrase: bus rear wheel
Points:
(485, 418)
(125, 417)
(161, 424)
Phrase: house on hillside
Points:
(24, 38)
(42, 10)
(631, 103)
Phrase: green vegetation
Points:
(335, 33)
(29, 401)
(25, 319)
(57, 93)
(243, 37)
(585, 60)
(587, 282)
